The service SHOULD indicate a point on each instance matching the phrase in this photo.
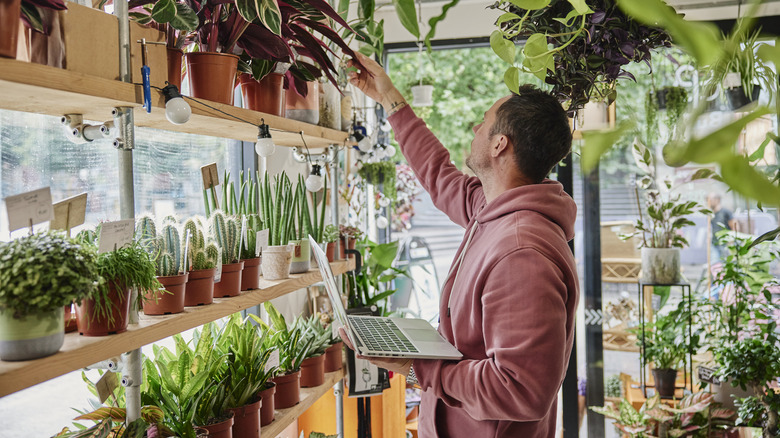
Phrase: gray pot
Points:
(660, 265)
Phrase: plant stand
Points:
(685, 290)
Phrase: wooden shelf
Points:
(285, 417)
(81, 351)
(36, 88)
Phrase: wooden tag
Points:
(210, 176)
(115, 235)
(30, 208)
(69, 213)
(106, 385)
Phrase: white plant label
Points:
(273, 361)
(30, 208)
(115, 235)
(69, 213)
(106, 385)
(186, 264)
(732, 80)
(262, 241)
(218, 273)
(243, 242)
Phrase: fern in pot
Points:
(165, 248)
(665, 214)
(39, 275)
(106, 309)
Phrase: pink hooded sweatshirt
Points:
(511, 311)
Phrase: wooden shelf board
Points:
(36, 88)
(284, 417)
(80, 351)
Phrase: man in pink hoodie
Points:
(509, 301)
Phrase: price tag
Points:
(186, 265)
(69, 213)
(262, 241)
(115, 235)
(210, 176)
(273, 361)
(106, 385)
(218, 273)
(707, 375)
(28, 209)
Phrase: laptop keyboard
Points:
(380, 334)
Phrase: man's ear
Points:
(500, 146)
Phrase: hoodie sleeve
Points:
(524, 330)
(456, 194)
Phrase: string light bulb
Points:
(264, 146)
(177, 110)
(314, 180)
(389, 151)
(363, 141)
(381, 222)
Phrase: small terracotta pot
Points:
(250, 278)
(304, 109)
(230, 284)
(267, 403)
(9, 27)
(334, 359)
(223, 429)
(266, 95)
(167, 303)
(200, 287)
(344, 244)
(313, 371)
(174, 66)
(91, 325)
(288, 390)
(246, 421)
(212, 75)
(330, 251)
(70, 319)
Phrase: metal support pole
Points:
(132, 381)
(339, 392)
(120, 10)
(334, 189)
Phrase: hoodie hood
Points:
(546, 198)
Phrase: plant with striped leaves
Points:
(278, 204)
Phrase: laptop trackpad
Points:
(423, 335)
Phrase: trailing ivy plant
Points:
(382, 173)
(43, 272)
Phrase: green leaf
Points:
(407, 14)
(770, 53)
(718, 146)
(531, 4)
(247, 9)
(598, 142)
(164, 11)
(269, 15)
(581, 7)
(703, 174)
(502, 47)
(743, 178)
(343, 9)
(507, 16)
(759, 152)
(512, 79)
(185, 19)
(434, 21)
(538, 59)
(365, 9)
(33, 17)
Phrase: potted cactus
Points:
(165, 248)
(225, 231)
(278, 210)
(201, 260)
(330, 235)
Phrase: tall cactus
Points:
(170, 245)
(225, 232)
(197, 250)
(146, 233)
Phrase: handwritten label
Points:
(186, 264)
(106, 385)
(273, 361)
(218, 274)
(707, 375)
(210, 176)
(262, 241)
(69, 213)
(30, 208)
(115, 235)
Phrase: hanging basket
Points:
(422, 95)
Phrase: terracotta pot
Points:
(212, 76)
(200, 287)
(230, 284)
(10, 11)
(246, 421)
(350, 244)
(334, 360)
(223, 429)
(288, 390)
(330, 251)
(266, 95)
(304, 109)
(174, 66)
(70, 319)
(250, 278)
(167, 303)
(92, 325)
(201, 432)
(664, 382)
(313, 371)
(267, 404)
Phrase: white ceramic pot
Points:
(301, 256)
(422, 95)
(276, 262)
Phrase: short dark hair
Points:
(539, 129)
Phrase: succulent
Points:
(163, 248)
(277, 202)
(202, 256)
(225, 231)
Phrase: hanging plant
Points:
(382, 172)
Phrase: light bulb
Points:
(384, 201)
(364, 144)
(264, 146)
(381, 222)
(389, 151)
(385, 126)
(379, 153)
(314, 180)
(177, 110)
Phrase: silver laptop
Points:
(382, 336)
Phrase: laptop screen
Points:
(330, 282)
